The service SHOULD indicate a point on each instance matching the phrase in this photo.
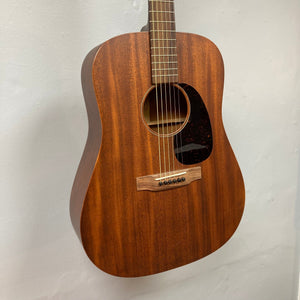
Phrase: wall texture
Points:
(44, 127)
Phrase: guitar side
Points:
(92, 146)
(126, 232)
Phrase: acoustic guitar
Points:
(158, 185)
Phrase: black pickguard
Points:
(194, 143)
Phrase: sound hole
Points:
(166, 109)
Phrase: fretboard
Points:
(163, 41)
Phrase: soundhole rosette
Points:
(165, 109)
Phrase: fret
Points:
(157, 1)
(162, 21)
(164, 62)
(162, 30)
(167, 75)
(162, 11)
(162, 48)
(164, 27)
(160, 65)
(159, 35)
(163, 39)
(163, 54)
(163, 69)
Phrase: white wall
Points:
(44, 127)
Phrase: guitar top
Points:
(158, 185)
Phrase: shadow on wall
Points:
(47, 166)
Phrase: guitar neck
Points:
(163, 41)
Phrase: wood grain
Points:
(130, 233)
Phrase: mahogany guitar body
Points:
(130, 233)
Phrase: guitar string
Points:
(166, 84)
(156, 98)
(166, 81)
(179, 93)
(172, 90)
(180, 135)
(177, 102)
(170, 36)
(177, 121)
(161, 93)
(166, 43)
(174, 45)
(170, 118)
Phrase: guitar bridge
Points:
(169, 180)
